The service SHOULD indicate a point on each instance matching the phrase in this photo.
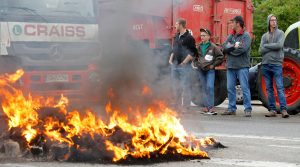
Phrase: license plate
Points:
(57, 78)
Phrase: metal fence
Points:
(255, 60)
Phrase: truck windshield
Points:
(82, 8)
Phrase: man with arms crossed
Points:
(237, 48)
(271, 48)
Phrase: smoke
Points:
(127, 65)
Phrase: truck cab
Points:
(54, 41)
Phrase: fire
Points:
(146, 90)
(158, 131)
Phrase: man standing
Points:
(209, 56)
(237, 48)
(184, 48)
(271, 48)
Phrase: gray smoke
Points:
(127, 65)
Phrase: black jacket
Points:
(183, 46)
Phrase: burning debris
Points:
(45, 127)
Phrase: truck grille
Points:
(55, 86)
(56, 68)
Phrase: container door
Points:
(226, 10)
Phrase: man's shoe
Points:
(228, 113)
(271, 114)
(248, 114)
(212, 109)
(284, 114)
(204, 110)
(211, 112)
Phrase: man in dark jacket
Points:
(184, 48)
(209, 56)
(237, 48)
(271, 48)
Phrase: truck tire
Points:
(291, 82)
(196, 89)
(220, 88)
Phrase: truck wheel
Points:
(220, 87)
(196, 89)
(291, 82)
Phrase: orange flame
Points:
(146, 90)
(159, 130)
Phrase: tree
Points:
(286, 11)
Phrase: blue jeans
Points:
(271, 72)
(232, 76)
(207, 80)
(181, 85)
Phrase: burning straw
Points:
(44, 126)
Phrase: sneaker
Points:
(193, 104)
(271, 114)
(228, 113)
(247, 113)
(211, 113)
(284, 114)
(204, 110)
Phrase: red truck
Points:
(153, 23)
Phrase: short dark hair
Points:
(240, 20)
(182, 22)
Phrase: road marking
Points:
(247, 136)
(248, 163)
(280, 146)
(14, 165)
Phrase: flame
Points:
(157, 131)
(62, 104)
(110, 93)
(8, 79)
(108, 107)
(146, 90)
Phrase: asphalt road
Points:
(252, 142)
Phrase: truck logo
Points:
(54, 30)
(17, 30)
